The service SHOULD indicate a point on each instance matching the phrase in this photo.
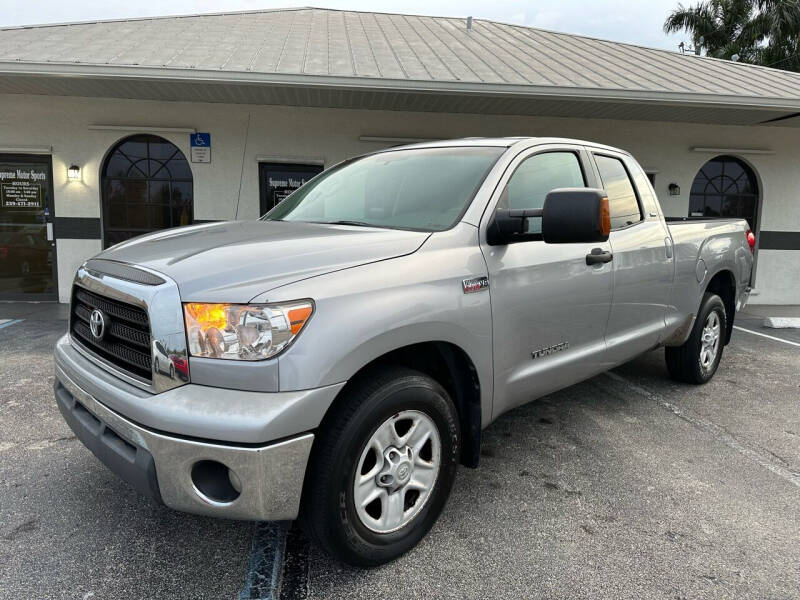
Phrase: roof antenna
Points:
(469, 23)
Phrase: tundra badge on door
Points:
(549, 350)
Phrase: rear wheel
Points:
(382, 468)
(697, 359)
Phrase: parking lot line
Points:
(9, 322)
(266, 562)
(717, 432)
(294, 580)
(771, 337)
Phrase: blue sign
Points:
(201, 147)
(201, 140)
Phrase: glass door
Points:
(27, 247)
(278, 180)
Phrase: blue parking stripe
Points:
(266, 562)
(10, 323)
(294, 581)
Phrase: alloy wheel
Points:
(397, 471)
(709, 341)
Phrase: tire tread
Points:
(322, 465)
(682, 360)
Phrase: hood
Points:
(238, 260)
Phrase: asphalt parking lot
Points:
(625, 486)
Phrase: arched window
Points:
(725, 187)
(146, 186)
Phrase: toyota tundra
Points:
(337, 359)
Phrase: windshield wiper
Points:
(354, 223)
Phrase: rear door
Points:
(549, 308)
(642, 264)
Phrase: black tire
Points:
(328, 514)
(684, 362)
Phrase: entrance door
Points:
(278, 180)
(27, 247)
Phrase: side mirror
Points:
(576, 215)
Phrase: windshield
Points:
(426, 189)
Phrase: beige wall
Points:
(331, 135)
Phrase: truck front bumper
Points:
(238, 480)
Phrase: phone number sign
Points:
(21, 194)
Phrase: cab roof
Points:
(520, 142)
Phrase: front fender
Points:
(365, 312)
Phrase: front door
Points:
(278, 180)
(549, 308)
(27, 247)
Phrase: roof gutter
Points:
(615, 95)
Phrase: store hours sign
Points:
(22, 188)
(278, 180)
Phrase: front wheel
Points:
(697, 359)
(382, 467)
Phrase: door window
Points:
(27, 258)
(622, 199)
(536, 177)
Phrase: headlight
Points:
(243, 331)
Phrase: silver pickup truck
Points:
(338, 358)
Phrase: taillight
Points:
(751, 240)
(3, 252)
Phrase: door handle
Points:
(599, 256)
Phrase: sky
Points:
(632, 21)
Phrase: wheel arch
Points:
(723, 284)
(452, 368)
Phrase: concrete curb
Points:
(782, 322)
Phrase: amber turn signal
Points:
(605, 217)
(208, 315)
(298, 318)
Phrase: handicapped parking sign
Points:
(200, 144)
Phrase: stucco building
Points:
(114, 128)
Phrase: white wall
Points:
(71, 254)
(331, 135)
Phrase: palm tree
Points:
(774, 33)
(764, 32)
(715, 25)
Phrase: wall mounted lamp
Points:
(674, 189)
(74, 172)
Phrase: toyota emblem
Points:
(97, 323)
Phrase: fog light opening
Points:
(215, 483)
(234, 480)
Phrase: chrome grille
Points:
(126, 343)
